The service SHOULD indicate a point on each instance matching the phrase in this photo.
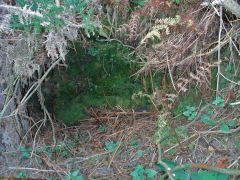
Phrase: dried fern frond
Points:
(133, 25)
(161, 24)
(56, 45)
(20, 55)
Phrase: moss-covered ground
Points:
(99, 76)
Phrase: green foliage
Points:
(139, 153)
(206, 119)
(24, 153)
(21, 175)
(202, 175)
(225, 127)
(139, 2)
(64, 149)
(148, 151)
(182, 174)
(176, 1)
(190, 112)
(111, 146)
(97, 77)
(134, 143)
(101, 128)
(179, 174)
(138, 173)
(219, 101)
(191, 99)
(74, 176)
(51, 15)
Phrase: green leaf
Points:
(190, 108)
(231, 123)
(205, 119)
(101, 128)
(237, 144)
(213, 122)
(150, 172)
(217, 101)
(21, 175)
(138, 171)
(190, 146)
(179, 174)
(111, 146)
(192, 116)
(221, 105)
(75, 173)
(148, 151)
(209, 112)
(224, 127)
(141, 3)
(14, 154)
(203, 175)
(139, 153)
(187, 113)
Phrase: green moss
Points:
(98, 76)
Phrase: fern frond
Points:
(133, 25)
(161, 24)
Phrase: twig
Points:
(235, 162)
(219, 52)
(169, 70)
(34, 169)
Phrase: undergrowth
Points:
(97, 77)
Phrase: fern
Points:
(161, 24)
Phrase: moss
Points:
(98, 76)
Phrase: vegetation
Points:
(124, 85)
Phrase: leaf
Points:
(203, 175)
(221, 105)
(179, 174)
(213, 122)
(187, 113)
(21, 175)
(111, 146)
(190, 146)
(190, 108)
(101, 128)
(231, 123)
(75, 173)
(205, 119)
(139, 153)
(150, 172)
(137, 172)
(209, 112)
(78, 178)
(224, 127)
(138, 178)
(148, 151)
(192, 116)
(217, 101)
(132, 143)
(141, 3)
